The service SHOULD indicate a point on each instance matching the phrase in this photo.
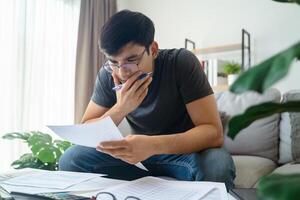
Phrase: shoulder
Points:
(186, 57)
(178, 56)
(104, 79)
(175, 54)
(104, 75)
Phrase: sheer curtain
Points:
(37, 68)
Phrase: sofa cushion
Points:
(290, 168)
(289, 148)
(250, 168)
(261, 137)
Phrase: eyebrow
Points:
(127, 58)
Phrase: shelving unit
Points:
(244, 46)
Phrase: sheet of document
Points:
(93, 184)
(14, 173)
(149, 188)
(91, 134)
(50, 179)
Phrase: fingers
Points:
(144, 86)
(131, 80)
(143, 95)
(119, 152)
(138, 83)
(114, 144)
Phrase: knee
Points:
(72, 159)
(219, 167)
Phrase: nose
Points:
(127, 71)
(124, 70)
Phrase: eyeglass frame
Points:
(113, 196)
(140, 58)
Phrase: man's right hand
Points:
(133, 92)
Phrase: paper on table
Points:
(50, 179)
(91, 134)
(155, 188)
(93, 184)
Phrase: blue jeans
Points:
(208, 165)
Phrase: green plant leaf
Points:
(30, 161)
(38, 137)
(62, 145)
(45, 153)
(279, 187)
(265, 74)
(48, 154)
(42, 147)
(232, 68)
(27, 160)
(253, 113)
(16, 135)
(288, 1)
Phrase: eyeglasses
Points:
(110, 196)
(129, 66)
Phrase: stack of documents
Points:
(88, 185)
(91, 134)
(50, 179)
(42, 181)
(153, 188)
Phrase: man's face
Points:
(130, 59)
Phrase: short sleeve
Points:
(190, 77)
(103, 94)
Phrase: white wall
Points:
(273, 26)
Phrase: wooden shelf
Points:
(217, 49)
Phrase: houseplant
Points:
(259, 78)
(45, 152)
(232, 70)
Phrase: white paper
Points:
(149, 188)
(11, 173)
(91, 134)
(50, 179)
(93, 184)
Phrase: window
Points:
(37, 68)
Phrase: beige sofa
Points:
(269, 145)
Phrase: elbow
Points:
(219, 137)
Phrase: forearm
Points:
(193, 140)
(117, 115)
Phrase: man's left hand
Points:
(132, 149)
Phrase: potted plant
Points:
(259, 78)
(45, 152)
(232, 70)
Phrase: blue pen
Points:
(118, 87)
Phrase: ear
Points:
(154, 49)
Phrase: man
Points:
(172, 110)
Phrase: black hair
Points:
(124, 27)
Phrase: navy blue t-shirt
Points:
(177, 80)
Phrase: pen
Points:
(118, 87)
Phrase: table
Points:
(244, 193)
